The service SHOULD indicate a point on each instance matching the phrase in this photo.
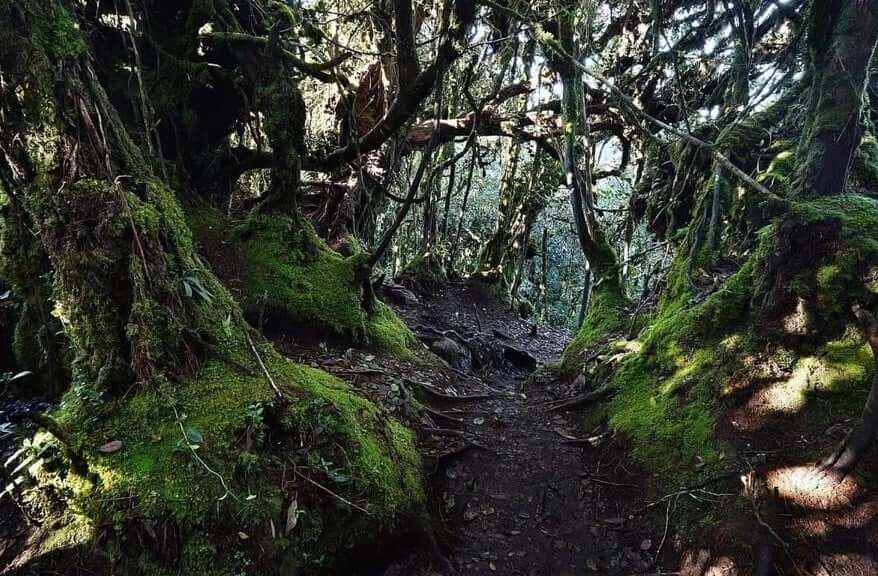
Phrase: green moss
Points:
(781, 170)
(864, 170)
(841, 378)
(606, 315)
(387, 332)
(425, 270)
(670, 421)
(56, 31)
(77, 531)
(289, 273)
(667, 392)
(194, 437)
(331, 434)
(667, 395)
(289, 270)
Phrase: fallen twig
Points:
(360, 371)
(596, 480)
(198, 458)
(445, 432)
(592, 441)
(671, 504)
(264, 369)
(442, 415)
(444, 396)
(331, 493)
(458, 451)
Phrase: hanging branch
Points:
(387, 238)
(546, 39)
(318, 70)
(629, 102)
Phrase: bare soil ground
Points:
(522, 489)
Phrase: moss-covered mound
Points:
(287, 278)
(220, 461)
(425, 273)
(783, 317)
(249, 464)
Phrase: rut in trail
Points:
(523, 489)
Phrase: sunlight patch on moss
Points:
(606, 315)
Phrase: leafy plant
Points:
(193, 286)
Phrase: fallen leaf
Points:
(110, 447)
(292, 516)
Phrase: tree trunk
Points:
(843, 38)
(165, 371)
(861, 438)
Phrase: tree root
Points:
(433, 392)
(860, 439)
(598, 393)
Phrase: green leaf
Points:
(193, 436)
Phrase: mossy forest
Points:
(438, 287)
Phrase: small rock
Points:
(646, 545)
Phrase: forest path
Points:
(522, 489)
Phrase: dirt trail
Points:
(522, 489)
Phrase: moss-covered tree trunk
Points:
(604, 296)
(843, 38)
(157, 458)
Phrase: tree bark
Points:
(843, 37)
(861, 438)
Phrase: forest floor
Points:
(519, 488)
(524, 489)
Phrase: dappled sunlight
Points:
(701, 563)
(820, 523)
(837, 368)
(787, 396)
(809, 487)
(847, 564)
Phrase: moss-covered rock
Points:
(425, 272)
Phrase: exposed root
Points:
(598, 393)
